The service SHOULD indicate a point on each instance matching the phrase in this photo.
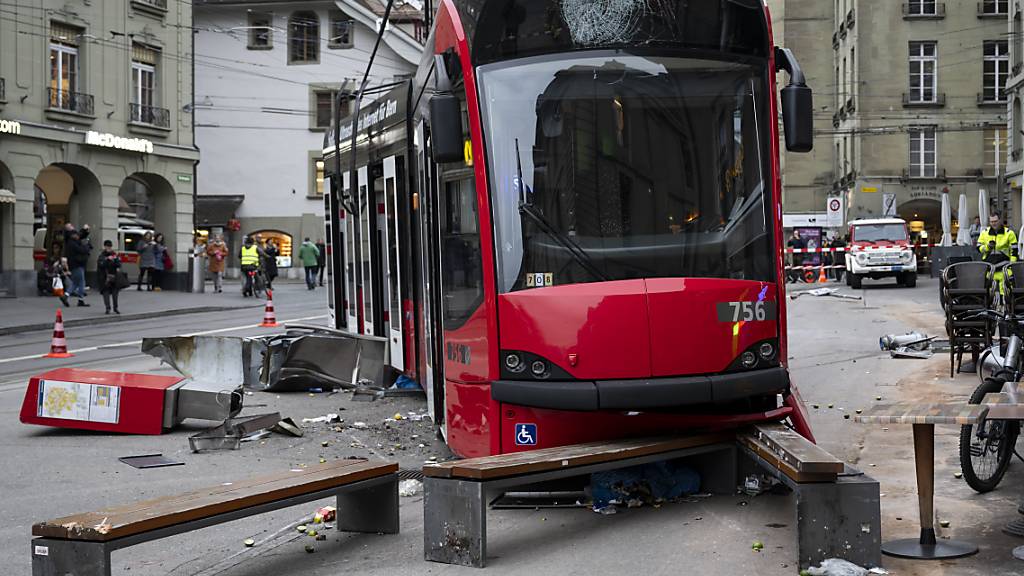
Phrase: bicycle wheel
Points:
(985, 451)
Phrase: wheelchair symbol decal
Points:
(526, 434)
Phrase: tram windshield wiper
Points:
(526, 207)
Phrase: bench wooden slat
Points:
(505, 465)
(796, 450)
(138, 517)
(770, 456)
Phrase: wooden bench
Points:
(838, 512)
(80, 545)
(455, 493)
(838, 508)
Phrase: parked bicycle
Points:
(258, 281)
(987, 447)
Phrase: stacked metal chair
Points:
(967, 287)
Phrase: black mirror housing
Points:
(797, 104)
(446, 128)
(798, 118)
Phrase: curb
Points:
(8, 330)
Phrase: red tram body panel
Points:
(570, 229)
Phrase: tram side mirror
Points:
(797, 104)
(446, 128)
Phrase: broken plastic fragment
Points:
(249, 542)
(757, 546)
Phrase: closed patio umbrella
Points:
(983, 207)
(947, 221)
(963, 235)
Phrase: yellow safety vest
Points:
(1004, 242)
(250, 256)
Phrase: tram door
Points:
(392, 287)
(351, 261)
(367, 210)
(430, 262)
(333, 314)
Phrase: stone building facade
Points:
(95, 128)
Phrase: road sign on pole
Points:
(888, 205)
(834, 206)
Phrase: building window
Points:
(341, 31)
(261, 31)
(997, 70)
(143, 77)
(921, 8)
(325, 100)
(64, 67)
(923, 153)
(994, 7)
(995, 150)
(923, 85)
(303, 38)
(318, 178)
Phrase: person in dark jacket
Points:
(147, 261)
(270, 254)
(78, 256)
(321, 259)
(159, 262)
(109, 266)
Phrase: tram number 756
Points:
(746, 311)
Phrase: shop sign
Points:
(925, 192)
(118, 142)
(888, 205)
(10, 127)
(869, 189)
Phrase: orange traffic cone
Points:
(269, 318)
(58, 346)
(821, 276)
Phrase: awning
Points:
(216, 210)
(7, 197)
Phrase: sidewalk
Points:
(37, 312)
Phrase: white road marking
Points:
(138, 342)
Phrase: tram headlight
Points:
(514, 363)
(539, 368)
(748, 359)
(766, 350)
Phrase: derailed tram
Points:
(567, 225)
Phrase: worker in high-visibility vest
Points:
(249, 257)
(998, 244)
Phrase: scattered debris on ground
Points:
(820, 292)
(149, 461)
(408, 488)
(909, 345)
(647, 484)
(840, 567)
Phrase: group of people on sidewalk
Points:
(65, 271)
(154, 261)
(257, 256)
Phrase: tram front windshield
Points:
(612, 166)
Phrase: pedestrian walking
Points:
(161, 259)
(796, 260)
(147, 260)
(216, 254)
(78, 256)
(975, 230)
(309, 254)
(60, 278)
(249, 258)
(321, 260)
(270, 254)
(839, 257)
(109, 268)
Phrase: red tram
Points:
(567, 226)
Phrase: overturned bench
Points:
(837, 514)
(80, 545)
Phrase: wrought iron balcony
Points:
(70, 101)
(150, 115)
(938, 101)
(161, 4)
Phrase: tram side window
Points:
(462, 266)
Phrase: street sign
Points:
(888, 205)
(835, 212)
